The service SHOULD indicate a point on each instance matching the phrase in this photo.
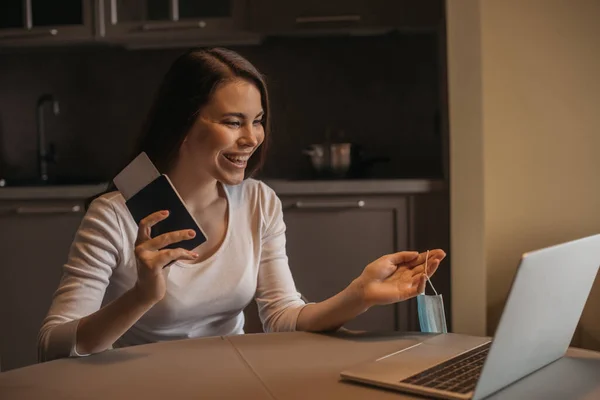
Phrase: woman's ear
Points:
(187, 138)
(183, 145)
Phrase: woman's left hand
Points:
(396, 277)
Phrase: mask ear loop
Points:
(427, 275)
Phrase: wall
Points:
(467, 251)
(540, 130)
(384, 88)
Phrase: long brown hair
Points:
(186, 88)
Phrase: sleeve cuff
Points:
(295, 328)
(62, 341)
(74, 352)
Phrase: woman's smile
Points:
(238, 160)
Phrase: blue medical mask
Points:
(432, 317)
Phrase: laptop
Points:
(546, 299)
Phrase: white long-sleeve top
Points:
(203, 299)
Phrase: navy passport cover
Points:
(160, 195)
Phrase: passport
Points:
(146, 191)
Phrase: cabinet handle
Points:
(174, 10)
(30, 34)
(48, 210)
(114, 16)
(332, 18)
(329, 205)
(173, 26)
(101, 18)
(28, 14)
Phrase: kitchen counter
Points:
(51, 192)
(352, 187)
(281, 187)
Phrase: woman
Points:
(207, 130)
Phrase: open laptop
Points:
(544, 305)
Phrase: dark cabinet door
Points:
(57, 13)
(330, 240)
(271, 16)
(12, 15)
(404, 14)
(36, 237)
(135, 22)
(38, 22)
(341, 16)
(140, 11)
(205, 8)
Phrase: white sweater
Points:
(203, 299)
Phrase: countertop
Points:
(281, 187)
(66, 192)
(350, 187)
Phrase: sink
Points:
(59, 181)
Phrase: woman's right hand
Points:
(151, 285)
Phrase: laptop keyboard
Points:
(459, 374)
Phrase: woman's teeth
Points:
(237, 159)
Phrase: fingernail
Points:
(191, 233)
(164, 212)
(193, 254)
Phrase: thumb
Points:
(379, 270)
(402, 257)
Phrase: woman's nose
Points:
(249, 136)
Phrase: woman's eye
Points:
(233, 124)
(258, 122)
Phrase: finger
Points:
(432, 266)
(385, 271)
(436, 254)
(168, 238)
(402, 257)
(419, 282)
(147, 223)
(164, 257)
(420, 260)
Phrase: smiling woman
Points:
(226, 133)
(182, 105)
(208, 130)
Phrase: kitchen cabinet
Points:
(185, 23)
(343, 16)
(152, 22)
(43, 22)
(36, 237)
(331, 239)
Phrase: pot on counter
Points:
(339, 160)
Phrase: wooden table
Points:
(262, 366)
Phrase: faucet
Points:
(44, 155)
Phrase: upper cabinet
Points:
(156, 22)
(166, 23)
(309, 17)
(42, 22)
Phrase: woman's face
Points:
(226, 132)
